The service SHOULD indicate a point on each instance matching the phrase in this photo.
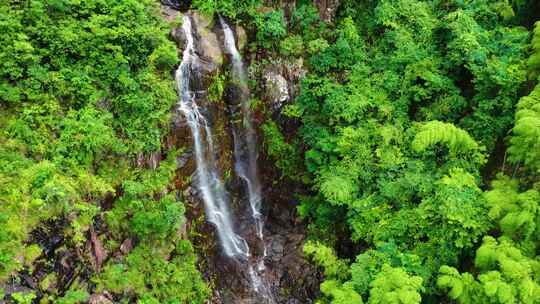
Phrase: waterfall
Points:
(245, 155)
(245, 141)
(208, 181)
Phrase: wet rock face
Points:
(150, 161)
(208, 47)
(298, 279)
(168, 13)
(293, 279)
(179, 5)
(207, 42)
(241, 37)
(179, 37)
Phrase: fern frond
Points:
(534, 60)
(435, 132)
(525, 142)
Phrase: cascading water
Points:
(245, 154)
(208, 180)
(245, 150)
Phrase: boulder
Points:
(178, 5)
(207, 41)
(281, 82)
(276, 89)
(100, 298)
(177, 34)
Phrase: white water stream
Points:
(245, 154)
(209, 183)
(208, 180)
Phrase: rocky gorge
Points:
(289, 276)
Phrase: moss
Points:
(216, 88)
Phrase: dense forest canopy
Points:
(416, 134)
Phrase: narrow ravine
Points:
(245, 157)
(208, 181)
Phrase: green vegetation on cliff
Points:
(85, 88)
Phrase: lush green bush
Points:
(271, 28)
(292, 46)
(230, 8)
(156, 275)
(284, 153)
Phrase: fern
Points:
(435, 132)
(340, 293)
(395, 286)
(461, 286)
(325, 256)
(525, 142)
(338, 188)
(517, 213)
(534, 60)
(506, 276)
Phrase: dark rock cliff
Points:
(291, 278)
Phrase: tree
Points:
(525, 140)
(395, 286)
(506, 276)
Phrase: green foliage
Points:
(325, 257)
(370, 263)
(74, 297)
(216, 88)
(85, 88)
(534, 59)
(461, 287)
(271, 28)
(230, 8)
(317, 45)
(340, 293)
(436, 132)
(525, 141)
(395, 286)
(140, 213)
(156, 275)
(23, 298)
(305, 20)
(108, 37)
(516, 213)
(284, 153)
(507, 267)
(404, 104)
(507, 276)
(87, 137)
(292, 46)
(164, 57)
